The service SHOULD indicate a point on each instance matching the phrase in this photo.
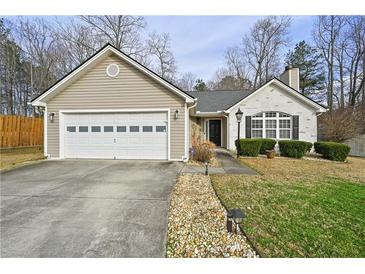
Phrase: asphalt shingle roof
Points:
(212, 101)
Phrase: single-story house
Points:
(112, 107)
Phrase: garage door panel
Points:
(116, 145)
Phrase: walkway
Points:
(229, 165)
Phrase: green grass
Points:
(298, 217)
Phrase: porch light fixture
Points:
(176, 114)
(239, 115)
(51, 116)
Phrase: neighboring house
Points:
(112, 107)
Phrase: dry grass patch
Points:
(307, 170)
(15, 157)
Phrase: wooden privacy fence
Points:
(20, 131)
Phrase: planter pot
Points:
(270, 154)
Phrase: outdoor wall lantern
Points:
(176, 114)
(239, 115)
(51, 116)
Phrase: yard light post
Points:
(237, 215)
(239, 115)
(206, 168)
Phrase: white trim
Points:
(168, 135)
(45, 132)
(109, 66)
(125, 58)
(186, 132)
(288, 89)
(66, 111)
(114, 110)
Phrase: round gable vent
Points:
(112, 70)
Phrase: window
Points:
(95, 129)
(284, 134)
(83, 129)
(256, 133)
(274, 125)
(134, 129)
(147, 128)
(160, 128)
(256, 123)
(121, 129)
(108, 129)
(284, 123)
(71, 129)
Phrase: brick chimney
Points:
(291, 77)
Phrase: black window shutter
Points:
(295, 134)
(248, 126)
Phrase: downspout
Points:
(188, 129)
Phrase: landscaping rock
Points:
(197, 223)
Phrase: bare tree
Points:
(326, 35)
(262, 46)
(75, 43)
(122, 31)
(36, 38)
(159, 47)
(355, 53)
(187, 81)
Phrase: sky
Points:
(199, 42)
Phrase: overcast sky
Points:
(199, 42)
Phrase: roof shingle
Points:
(213, 101)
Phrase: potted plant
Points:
(270, 154)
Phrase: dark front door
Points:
(215, 132)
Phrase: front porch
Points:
(213, 128)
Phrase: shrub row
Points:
(294, 149)
(332, 151)
(289, 148)
(254, 147)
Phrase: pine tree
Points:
(308, 60)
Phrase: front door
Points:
(215, 132)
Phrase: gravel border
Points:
(197, 223)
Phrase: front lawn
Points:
(300, 208)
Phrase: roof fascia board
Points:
(72, 74)
(153, 75)
(279, 83)
(188, 99)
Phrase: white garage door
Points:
(116, 135)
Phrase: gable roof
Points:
(303, 98)
(213, 101)
(102, 52)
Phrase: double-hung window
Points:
(273, 125)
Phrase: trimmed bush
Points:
(267, 144)
(293, 149)
(318, 147)
(332, 151)
(309, 146)
(249, 147)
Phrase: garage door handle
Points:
(114, 140)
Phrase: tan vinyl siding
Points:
(131, 89)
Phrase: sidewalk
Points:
(229, 165)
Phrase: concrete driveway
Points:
(86, 208)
